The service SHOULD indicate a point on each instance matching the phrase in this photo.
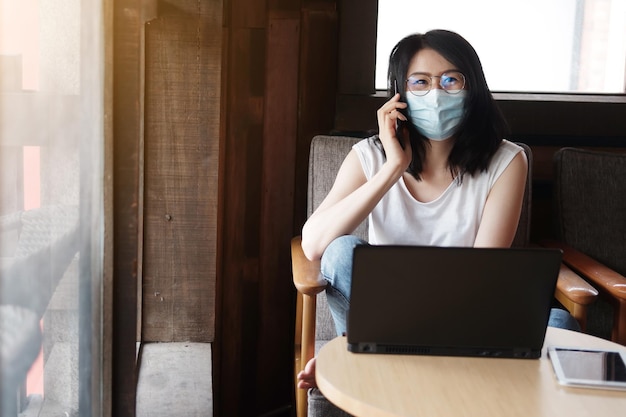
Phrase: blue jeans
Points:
(336, 267)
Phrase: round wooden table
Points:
(377, 385)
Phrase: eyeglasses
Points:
(452, 82)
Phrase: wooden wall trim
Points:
(357, 113)
(127, 117)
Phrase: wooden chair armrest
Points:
(575, 294)
(574, 288)
(601, 276)
(306, 274)
(309, 282)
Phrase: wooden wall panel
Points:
(183, 68)
(256, 89)
(267, 91)
(357, 64)
(317, 91)
(276, 292)
(236, 352)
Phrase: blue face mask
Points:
(437, 114)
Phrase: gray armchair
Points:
(314, 325)
(590, 203)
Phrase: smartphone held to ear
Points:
(399, 123)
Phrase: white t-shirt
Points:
(450, 220)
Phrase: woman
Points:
(439, 172)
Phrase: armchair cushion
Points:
(327, 154)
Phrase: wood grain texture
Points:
(183, 61)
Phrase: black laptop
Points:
(490, 302)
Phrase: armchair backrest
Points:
(327, 154)
(590, 200)
(590, 197)
(325, 158)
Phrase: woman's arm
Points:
(352, 197)
(347, 204)
(504, 205)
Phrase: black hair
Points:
(482, 127)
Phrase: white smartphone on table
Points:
(591, 368)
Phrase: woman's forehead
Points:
(430, 62)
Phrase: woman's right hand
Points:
(388, 116)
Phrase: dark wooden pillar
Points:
(127, 120)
